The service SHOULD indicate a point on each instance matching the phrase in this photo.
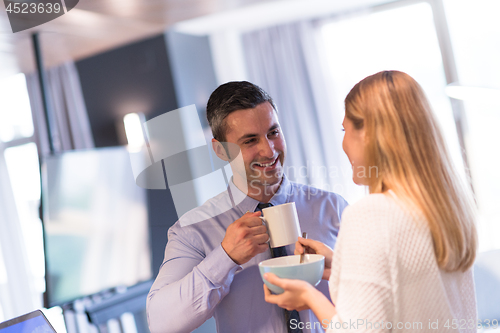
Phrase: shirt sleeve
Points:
(189, 285)
(360, 283)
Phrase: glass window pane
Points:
(22, 164)
(15, 111)
(476, 46)
(3, 272)
(402, 39)
(23, 168)
(3, 283)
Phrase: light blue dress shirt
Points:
(198, 280)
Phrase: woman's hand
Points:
(296, 296)
(316, 247)
(300, 295)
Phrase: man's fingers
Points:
(258, 230)
(252, 221)
(249, 213)
(262, 239)
(263, 247)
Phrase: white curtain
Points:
(70, 125)
(16, 289)
(286, 62)
(71, 130)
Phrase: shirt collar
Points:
(244, 203)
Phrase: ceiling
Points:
(94, 26)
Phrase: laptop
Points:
(33, 322)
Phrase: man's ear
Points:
(219, 150)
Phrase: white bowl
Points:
(289, 267)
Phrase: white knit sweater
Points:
(384, 270)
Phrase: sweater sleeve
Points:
(360, 284)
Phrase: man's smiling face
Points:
(258, 134)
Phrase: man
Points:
(210, 268)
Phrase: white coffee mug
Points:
(282, 224)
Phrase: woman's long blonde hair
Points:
(404, 142)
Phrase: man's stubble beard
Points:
(258, 179)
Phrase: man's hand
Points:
(245, 238)
(316, 247)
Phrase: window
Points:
(15, 110)
(404, 37)
(23, 168)
(19, 171)
(475, 37)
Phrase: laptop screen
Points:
(33, 322)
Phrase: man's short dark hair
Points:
(230, 97)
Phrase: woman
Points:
(404, 253)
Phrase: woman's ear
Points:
(363, 135)
(219, 150)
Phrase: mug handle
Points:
(265, 223)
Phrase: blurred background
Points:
(65, 137)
